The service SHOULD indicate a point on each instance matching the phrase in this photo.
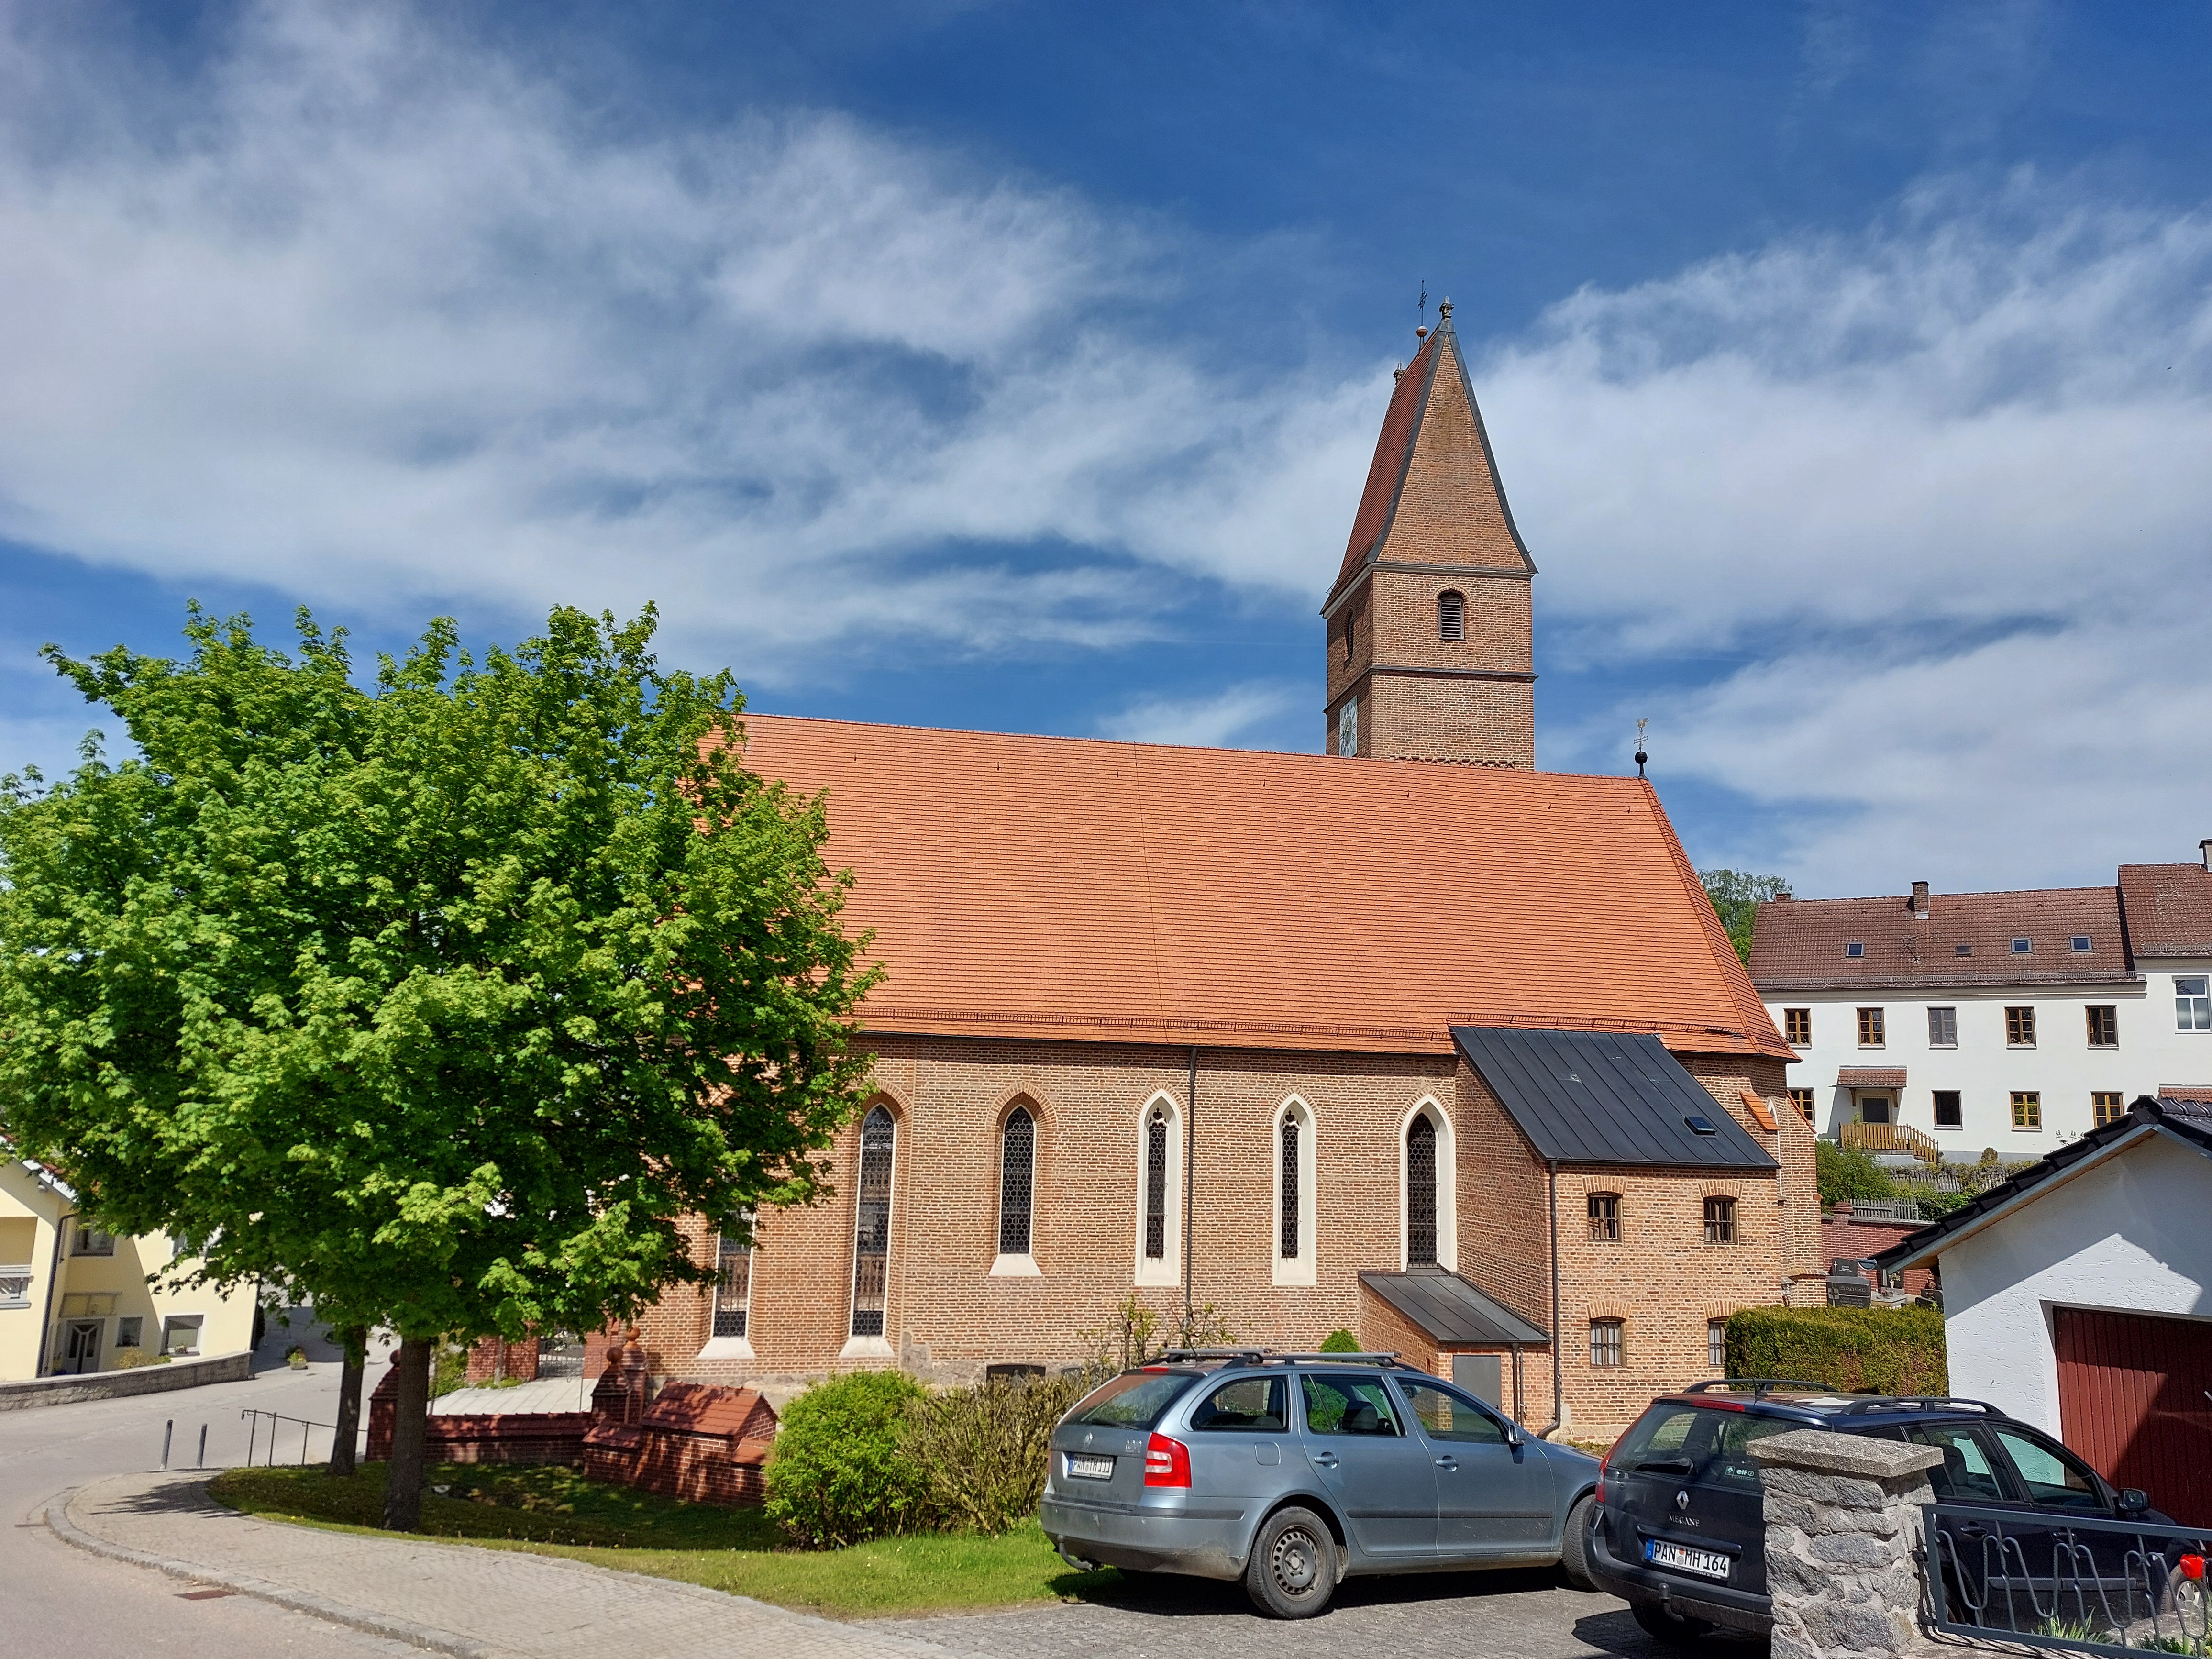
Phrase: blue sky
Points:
(1849, 367)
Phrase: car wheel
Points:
(1670, 1627)
(2184, 1603)
(1292, 1571)
(1574, 1547)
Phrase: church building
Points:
(1407, 1038)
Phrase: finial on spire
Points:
(1421, 333)
(1640, 756)
(1444, 314)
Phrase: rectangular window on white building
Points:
(2020, 1027)
(1949, 1114)
(2104, 1026)
(1942, 1028)
(2192, 1003)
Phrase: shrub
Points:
(1853, 1350)
(1339, 1342)
(981, 1452)
(1850, 1172)
(838, 1473)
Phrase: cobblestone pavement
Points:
(1498, 1615)
(473, 1603)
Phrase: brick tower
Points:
(1429, 649)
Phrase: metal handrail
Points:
(1892, 1138)
(2159, 1580)
(251, 1417)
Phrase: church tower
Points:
(1429, 650)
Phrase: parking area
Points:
(1509, 1615)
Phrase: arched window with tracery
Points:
(1451, 616)
(1286, 1245)
(1156, 1184)
(871, 1223)
(1421, 1191)
(1016, 1181)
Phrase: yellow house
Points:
(74, 1300)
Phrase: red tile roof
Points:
(709, 1408)
(1432, 494)
(1067, 888)
(1870, 1077)
(2169, 908)
(1800, 944)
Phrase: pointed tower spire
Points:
(1430, 654)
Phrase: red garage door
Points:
(2132, 1400)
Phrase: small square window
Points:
(1720, 1221)
(1948, 1113)
(2026, 1110)
(2106, 1107)
(2080, 942)
(1717, 1347)
(1797, 1026)
(1856, 948)
(2104, 1026)
(1605, 1342)
(127, 1330)
(1873, 1028)
(1605, 1218)
(1942, 1028)
(2020, 1028)
(2021, 947)
(1803, 1100)
(1962, 949)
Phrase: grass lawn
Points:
(553, 1510)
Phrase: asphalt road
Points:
(60, 1600)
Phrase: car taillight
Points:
(1167, 1463)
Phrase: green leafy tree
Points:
(438, 1002)
(1735, 896)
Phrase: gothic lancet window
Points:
(733, 1281)
(1288, 1244)
(1421, 1192)
(872, 1223)
(1156, 1185)
(1016, 1181)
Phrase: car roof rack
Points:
(1918, 1403)
(1277, 1355)
(1760, 1386)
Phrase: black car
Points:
(1678, 1530)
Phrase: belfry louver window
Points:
(1451, 616)
(1288, 1243)
(1421, 1193)
(1156, 1185)
(1017, 1180)
(872, 1223)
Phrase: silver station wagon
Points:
(1292, 1472)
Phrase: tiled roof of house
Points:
(1870, 1077)
(2169, 908)
(1432, 494)
(1069, 888)
(1805, 943)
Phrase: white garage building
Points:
(2078, 1296)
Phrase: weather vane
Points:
(1425, 299)
(1640, 756)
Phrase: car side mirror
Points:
(2133, 1501)
(1512, 1434)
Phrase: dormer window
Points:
(1451, 616)
(1856, 948)
(2081, 941)
(2021, 947)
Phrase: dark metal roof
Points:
(2187, 1120)
(1605, 1097)
(1450, 1310)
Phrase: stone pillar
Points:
(1844, 1552)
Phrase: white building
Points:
(2078, 1296)
(2014, 1021)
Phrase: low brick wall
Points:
(481, 1437)
(121, 1385)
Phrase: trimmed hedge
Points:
(1852, 1349)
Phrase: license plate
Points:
(1091, 1469)
(1709, 1564)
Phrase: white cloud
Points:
(365, 313)
(1944, 486)
(1217, 721)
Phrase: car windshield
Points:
(1134, 1400)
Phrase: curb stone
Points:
(65, 1527)
(374, 1624)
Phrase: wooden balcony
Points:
(1891, 1137)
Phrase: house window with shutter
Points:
(872, 1223)
(1451, 616)
(1016, 1181)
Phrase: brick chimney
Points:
(1920, 900)
(2205, 850)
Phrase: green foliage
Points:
(1339, 1342)
(1136, 1335)
(375, 995)
(1854, 1350)
(982, 1451)
(840, 1471)
(1850, 1172)
(1735, 896)
(1935, 1205)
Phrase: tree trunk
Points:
(403, 1476)
(348, 1433)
